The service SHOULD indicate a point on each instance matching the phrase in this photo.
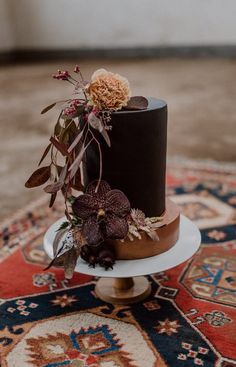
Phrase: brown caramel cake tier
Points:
(168, 235)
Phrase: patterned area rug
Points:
(188, 320)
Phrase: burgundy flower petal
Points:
(116, 228)
(103, 188)
(92, 232)
(85, 206)
(116, 202)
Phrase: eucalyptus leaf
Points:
(63, 174)
(52, 200)
(57, 239)
(38, 177)
(48, 108)
(106, 137)
(80, 110)
(64, 138)
(54, 187)
(76, 164)
(58, 127)
(75, 142)
(137, 103)
(68, 122)
(97, 124)
(45, 153)
(58, 260)
(59, 169)
(76, 183)
(70, 130)
(60, 146)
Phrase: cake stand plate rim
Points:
(187, 245)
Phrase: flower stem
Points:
(100, 161)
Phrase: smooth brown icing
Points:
(136, 161)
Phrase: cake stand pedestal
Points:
(123, 291)
(125, 283)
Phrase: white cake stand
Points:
(125, 283)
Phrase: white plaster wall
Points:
(121, 23)
(6, 35)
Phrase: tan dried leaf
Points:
(70, 261)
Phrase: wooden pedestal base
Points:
(123, 291)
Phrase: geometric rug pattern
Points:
(189, 319)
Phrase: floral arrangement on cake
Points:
(98, 212)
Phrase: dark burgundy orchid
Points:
(104, 213)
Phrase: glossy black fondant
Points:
(136, 161)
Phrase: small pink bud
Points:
(69, 111)
(75, 103)
(77, 69)
(61, 75)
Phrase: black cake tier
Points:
(136, 161)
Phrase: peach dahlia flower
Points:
(108, 91)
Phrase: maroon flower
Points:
(104, 213)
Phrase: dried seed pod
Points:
(92, 261)
(88, 254)
(85, 252)
(106, 258)
(101, 255)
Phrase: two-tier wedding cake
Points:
(111, 172)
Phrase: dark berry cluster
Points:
(98, 255)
